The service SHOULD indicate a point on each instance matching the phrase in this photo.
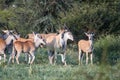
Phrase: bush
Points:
(107, 49)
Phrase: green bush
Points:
(107, 49)
(100, 17)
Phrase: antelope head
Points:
(11, 37)
(38, 40)
(90, 35)
(7, 31)
(67, 35)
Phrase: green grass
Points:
(42, 70)
(58, 72)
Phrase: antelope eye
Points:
(44, 40)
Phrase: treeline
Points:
(44, 16)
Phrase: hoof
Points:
(29, 64)
(64, 63)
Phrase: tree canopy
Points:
(44, 16)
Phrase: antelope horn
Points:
(65, 27)
(16, 30)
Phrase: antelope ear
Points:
(86, 33)
(5, 31)
(65, 30)
(59, 31)
(10, 30)
(39, 36)
(34, 34)
(65, 27)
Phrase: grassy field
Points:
(58, 72)
(106, 65)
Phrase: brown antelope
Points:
(4, 43)
(44, 36)
(30, 38)
(2, 47)
(58, 43)
(24, 39)
(27, 47)
(86, 46)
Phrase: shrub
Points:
(107, 49)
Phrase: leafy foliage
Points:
(107, 49)
(35, 15)
(101, 16)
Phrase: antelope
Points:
(44, 36)
(58, 43)
(5, 43)
(30, 38)
(86, 46)
(24, 40)
(7, 31)
(27, 47)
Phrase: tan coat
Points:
(86, 46)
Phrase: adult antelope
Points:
(5, 43)
(27, 47)
(44, 36)
(86, 46)
(58, 43)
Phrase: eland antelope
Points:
(6, 42)
(7, 31)
(30, 38)
(24, 40)
(27, 46)
(86, 46)
(44, 36)
(58, 43)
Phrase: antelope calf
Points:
(86, 46)
(22, 40)
(27, 46)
